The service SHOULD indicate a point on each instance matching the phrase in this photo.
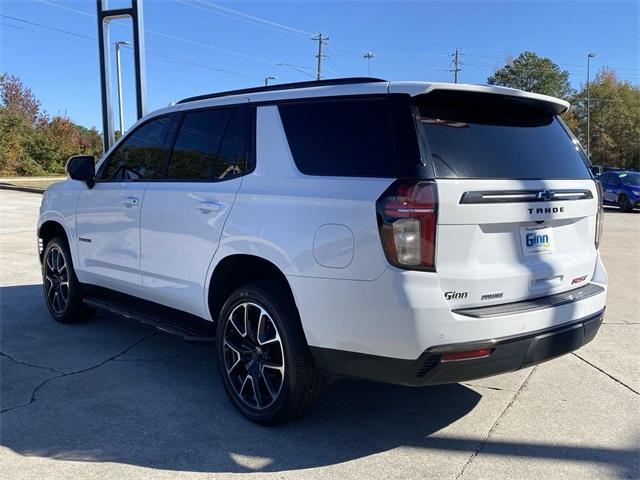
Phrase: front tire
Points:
(62, 292)
(263, 357)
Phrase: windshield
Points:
(630, 178)
(473, 135)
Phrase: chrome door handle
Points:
(209, 207)
(130, 202)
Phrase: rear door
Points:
(183, 215)
(517, 203)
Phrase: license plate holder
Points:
(537, 240)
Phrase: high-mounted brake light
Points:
(407, 214)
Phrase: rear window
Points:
(473, 135)
(362, 137)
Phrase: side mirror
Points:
(83, 168)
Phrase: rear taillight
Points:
(407, 219)
(599, 215)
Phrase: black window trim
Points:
(105, 164)
(425, 172)
(249, 143)
(171, 135)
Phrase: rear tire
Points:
(263, 357)
(624, 204)
(62, 291)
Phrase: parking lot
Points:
(114, 399)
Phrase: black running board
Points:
(186, 328)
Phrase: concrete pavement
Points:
(113, 399)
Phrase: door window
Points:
(141, 156)
(211, 145)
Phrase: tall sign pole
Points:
(105, 16)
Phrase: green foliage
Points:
(534, 74)
(615, 121)
(31, 143)
(614, 111)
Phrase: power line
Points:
(22, 20)
(251, 18)
(169, 36)
(149, 52)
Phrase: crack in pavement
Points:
(19, 362)
(495, 424)
(607, 374)
(487, 387)
(75, 372)
(151, 359)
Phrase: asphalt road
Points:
(113, 399)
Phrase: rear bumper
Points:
(508, 354)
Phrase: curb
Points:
(22, 189)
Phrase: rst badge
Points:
(537, 241)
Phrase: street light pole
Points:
(369, 56)
(589, 57)
(119, 79)
(266, 80)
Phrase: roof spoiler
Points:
(550, 104)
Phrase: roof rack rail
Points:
(285, 86)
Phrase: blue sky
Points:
(188, 42)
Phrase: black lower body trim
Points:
(166, 319)
(507, 354)
(555, 300)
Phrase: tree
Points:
(615, 120)
(534, 74)
(31, 143)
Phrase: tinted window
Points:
(606, 178)
(142, 154)
(210, 145)
(630, 178)
(365, 137)
(490, 136)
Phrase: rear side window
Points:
(140, 156)
(363, 137)
(210, 145)
(473, 135)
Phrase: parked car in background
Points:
(621, 188)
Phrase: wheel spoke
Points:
(59, 261)
(236, 355)
(62, 301)
(257, 393)
(48, 279)
(50, 260)
(273, 391)
(232, 321)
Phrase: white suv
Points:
(405, 232)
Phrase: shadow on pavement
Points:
(111, 390)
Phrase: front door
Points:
(108, 215)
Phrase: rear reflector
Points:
(469, 355)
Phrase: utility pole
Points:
(589, 57)
(321, 40)
(266, 80)
(119, 80)
(456, 65)
(369, 56)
